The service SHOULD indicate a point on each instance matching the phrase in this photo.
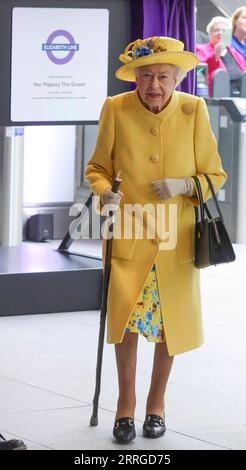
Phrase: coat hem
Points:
(185, 350)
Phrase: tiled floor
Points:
(47, 374)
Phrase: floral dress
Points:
(146, 318)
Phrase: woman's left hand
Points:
(171, 187)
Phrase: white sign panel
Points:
(59, 64)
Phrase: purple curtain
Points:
(176, 19)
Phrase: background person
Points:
(158, 138)
(238, 41)
(218, 56)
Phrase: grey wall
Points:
(1, 174)
(205, 11)
(228, 6)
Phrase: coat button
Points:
(155, 131)
(154, 158)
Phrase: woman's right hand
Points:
(220, 50)
(110, 200)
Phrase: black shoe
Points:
(12, 444)
(124, 430)
(154, 426)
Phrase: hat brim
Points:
(184, 59)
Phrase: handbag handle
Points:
(200, 197)
(203, 205)
(214, 196)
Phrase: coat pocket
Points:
(125, 235)
(122, 249)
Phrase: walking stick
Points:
(106, 276)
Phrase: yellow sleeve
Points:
(100, 169)
(207, 158)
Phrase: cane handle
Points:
(116, 183)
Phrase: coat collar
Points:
(163, 115)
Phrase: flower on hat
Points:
(142, 47)
(156, 44)
(140, 52)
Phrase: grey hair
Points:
(218, 19)
(180, 74)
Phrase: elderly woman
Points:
(218, 56)
(239, 31)
(159, 138)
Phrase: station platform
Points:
(48, 367)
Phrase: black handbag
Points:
(212, 242)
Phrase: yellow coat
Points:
(175, 143)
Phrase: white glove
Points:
(110, 200)
(171, 187)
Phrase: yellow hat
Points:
(154, 50)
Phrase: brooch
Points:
(188, 108)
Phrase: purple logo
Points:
(51, 46)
